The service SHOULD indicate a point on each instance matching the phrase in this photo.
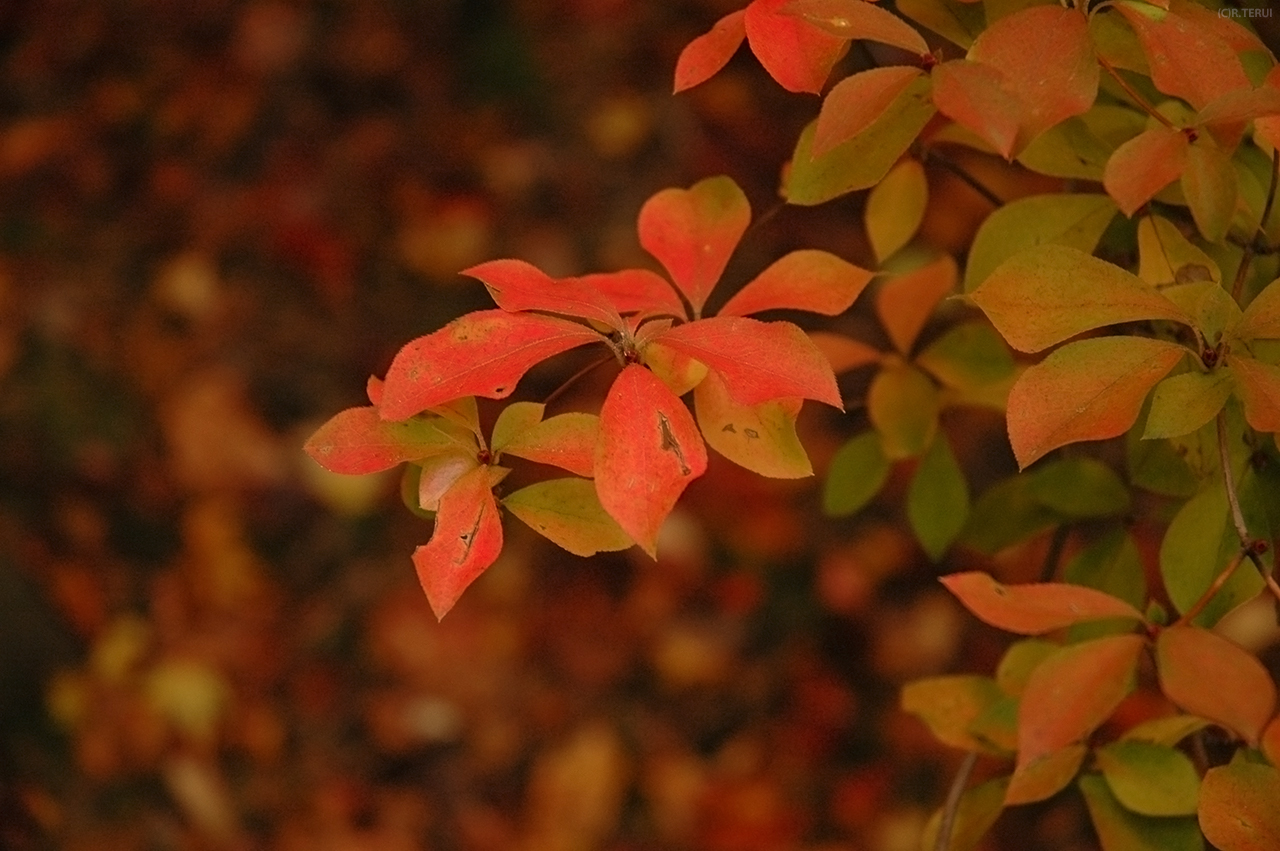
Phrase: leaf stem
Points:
(948, 164)
(1242, 271)
(952, 806)
(1137, 98)
(1228, 479)
(568, 382)
(1218, 581)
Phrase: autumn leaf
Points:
(1167, 257)
(844, 353)
(518, 286)
(895, 208)
(648, 452)
(566, 441)
(693, 231)
(568, 513)
(905, 302)
(638, 291)
(796, 53)
(903, 405)
(1209, 184)
(1183, 403)
(1047, 294)
(1043, 776)
(677, 370)
(1086, 390)
(1208, 675)
(759, 361)
(1258, 386)
(467, 538)
(974, 96)
(761, 438)
(949, 705)
(857, 101)
(481, 354)
(1034, 608)
(858, 20)
(806, 279)
(1144, 165)
(1261, 319)
(709, 52)
(358, 441)
(1076, 220)
(1240, 806)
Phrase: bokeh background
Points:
(217, 219)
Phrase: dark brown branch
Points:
(1250, 248)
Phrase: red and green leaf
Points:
(1045, 775)
(759, 361)
(1035, 608)
(1208, 675)
(518, 286)
(1043, 296)
(1240, 806)
(648, 452)
(762, 438)
(1087, 390)
(975, 96)
(568, 513)
(567, 441)
(481, 354)
(807, 279)
(858, 101)
(467, 538)
(796, 53)
(358, 441)
(693, 231)
(711, 51)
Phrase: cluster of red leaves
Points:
(749, 379)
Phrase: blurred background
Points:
(218, 219)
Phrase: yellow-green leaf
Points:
(1076, 221)
(967, 357)
(1151, 779)
(903, 406)
(761, 438)
(895, 208)
(948, 704)
(1166, 257)
(568, 513)
(1121, 830)
(1182, 403)
(858, 470)
(979, 808)
(1210, 186)
(938, 499)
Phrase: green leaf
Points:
(1006, 514)
(1076, 221)
(948, 704)
(1150, 779)
(957, 22)
(979, 808)
(1210, 186)
(1072, 149)
(1167, 730)
(1183, 403)
(1080, 487)
(1047, 294)
(515, 419)
(1240, 806)
(1112, 565)
(1196, 547)
(1121, 830)
(858, 470)
(761, 438)
(938, 499)
(903, 405)
(1156, 465)
(1214, 312)
(895, 208)
(968, 356)
(1087, 390)
(862, 161)
(1210, 676)
(568, 513)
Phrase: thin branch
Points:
(1133, 93)
(1220, 580)
(1228, 479)
(968, 179)
(569, 382)
(952, 806)
(1054, 554)
(1242, 271)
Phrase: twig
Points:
(568, 382)
(1228, 479)
(1137, 98)
(1054, 554)
(1220, 580)
(952, 806)
(1242, 271)
(969, 180)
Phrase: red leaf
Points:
(481, 354)
(1035, 608)
(358, 441)
(854, 103)
(467, 539)
(758, 361)
(649, 451)
(1144, 165)
(709, 52)
(794, 52)
(516, 285)
(1258, 386)
(1240, 806)
(638, 290)
(807, 279)
(1069, 695)
(906, 302)
(1187, 60)
(1207, 675)
(973, 95)
(693, 231)
(1086, 390)
(858, 19)
(1227, 116)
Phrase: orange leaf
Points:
(1187, 60)
(906, 302)
(1047, 294)
(649, 451)
(1267, 128)
(844, 353)
(1261, 319)
(1207, 675)
(1144, 165)
(1086, 390)
(709, 52)
(796, 53)
(758, 361)
(1045, 775)
(858, 19)
(1071, 693)
(1258, 386)
(467, 539)
(806, 279)
(638, 290)
(974, 95)
(693, 231)
(854, 103)
(1035, 608)
(517, 286)
(1240, 806)
(481, 354)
